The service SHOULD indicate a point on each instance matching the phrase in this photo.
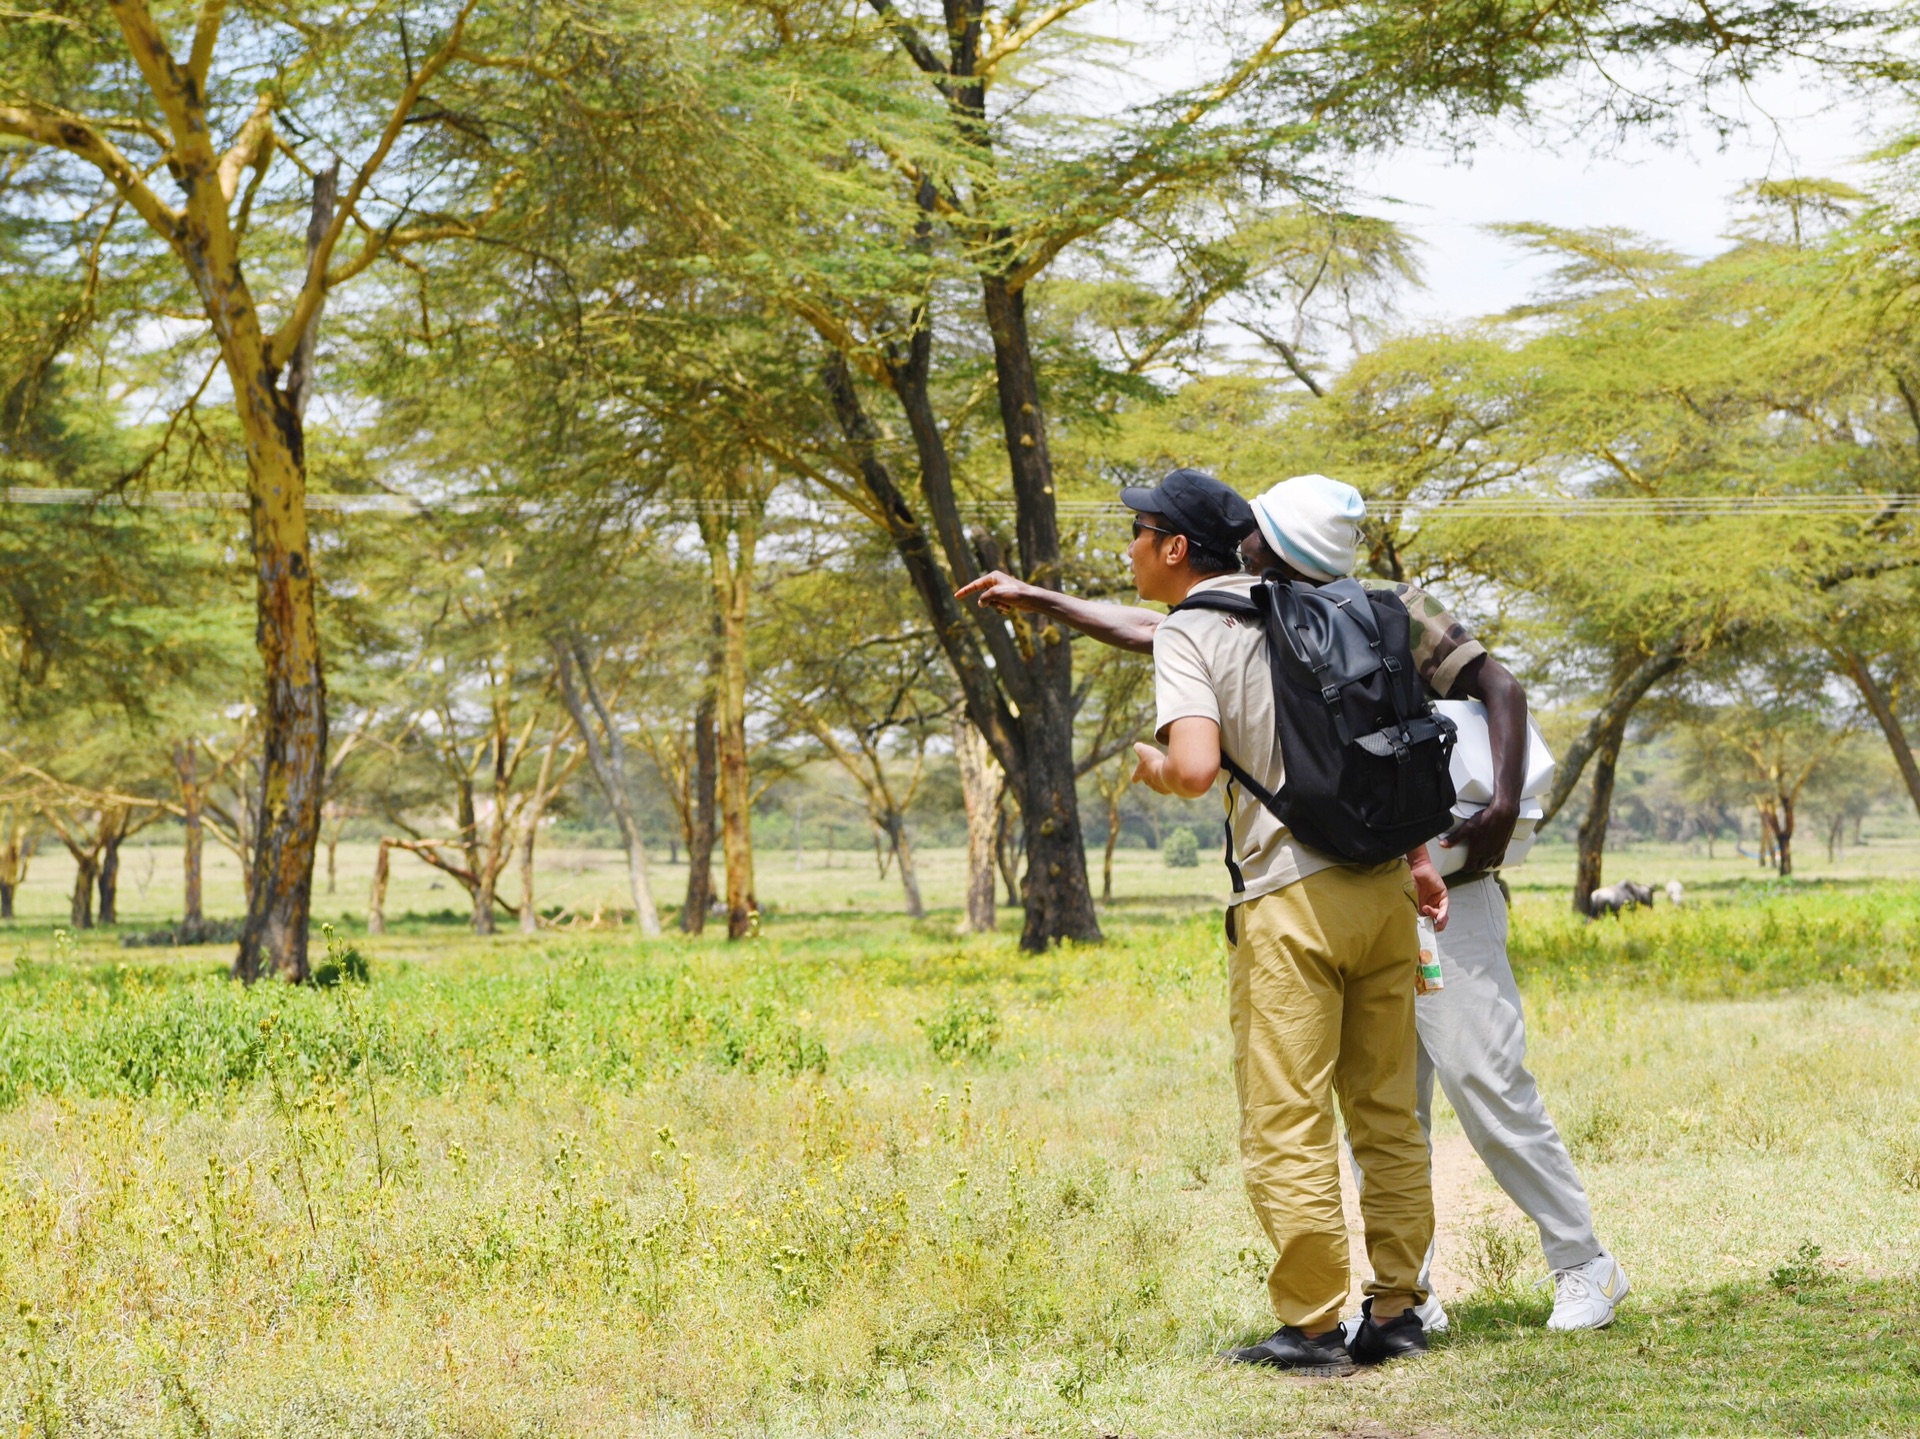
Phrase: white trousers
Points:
(1473, 1039)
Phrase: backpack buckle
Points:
(1331, 694)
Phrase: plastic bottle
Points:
(1428, 980)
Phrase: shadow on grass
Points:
(1807, 1351)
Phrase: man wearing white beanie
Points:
(1472, 1031)
(1312, 524)
(1473, 1035)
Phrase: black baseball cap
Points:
(1195, 504)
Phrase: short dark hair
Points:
(1206, 561)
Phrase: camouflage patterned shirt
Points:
(1441, 645)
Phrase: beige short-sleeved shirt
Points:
(1210, 665)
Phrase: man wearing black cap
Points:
(1321, 980)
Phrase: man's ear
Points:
(1177, 550)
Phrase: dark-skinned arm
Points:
(1488, 833)
(1125, 627)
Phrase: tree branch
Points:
(205, 32)
(912, 41)
(79, 138)
(250, 147)
(1668, 657)
(280, 348)
(1287, 355)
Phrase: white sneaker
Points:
(1433, 1318)
(1584, 1296)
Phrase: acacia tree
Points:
(1768, 707)
(855, 673)
(1003, 186)
(1623, 456)
(104, 88)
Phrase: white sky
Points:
(1681, 195)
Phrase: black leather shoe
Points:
(1287, 1348)
(1375, 1343)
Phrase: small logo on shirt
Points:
(1231, 621)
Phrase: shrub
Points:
(1805, 1268)
(1497, 1254)
(967, 1028)
(1182, 850)
(343, 964)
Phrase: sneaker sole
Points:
(1334, 1369)
(1318, 1371)
(1606, 1323)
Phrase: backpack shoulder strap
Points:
(1232, 602)
(1226, 601)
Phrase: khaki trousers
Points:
(1321, 986)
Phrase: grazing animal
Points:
(1674, 892)
(1612, 898)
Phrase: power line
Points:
(1509, 506)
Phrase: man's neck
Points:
(1192, 582)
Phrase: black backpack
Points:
(1366, 758)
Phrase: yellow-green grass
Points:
(861, 1176)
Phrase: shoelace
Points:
(1577, 1284)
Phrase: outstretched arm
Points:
(1125, 627)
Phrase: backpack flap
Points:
(1365, 757)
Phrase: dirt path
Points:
(1463, 1192)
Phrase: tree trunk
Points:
(185, 764)
(86, 873)
(1593, 829)
(732, 589)
(693, 912)
(109, 879)
(1059, 901)
(485, 878)
(466, 819)
(333, 845)
(981, 785)
(1006, 856)
(377, 900)
(903, 851)
(287, 633)
(1113, 838)
(529, 916)
(1889, 722)
(543, 789)
(609, 766)
(1021, 700)
(1784, 838)
(15, 849)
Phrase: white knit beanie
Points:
(1313, 523)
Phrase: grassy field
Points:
(847, 883)
(863, 1176)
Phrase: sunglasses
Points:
(1141, 527)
